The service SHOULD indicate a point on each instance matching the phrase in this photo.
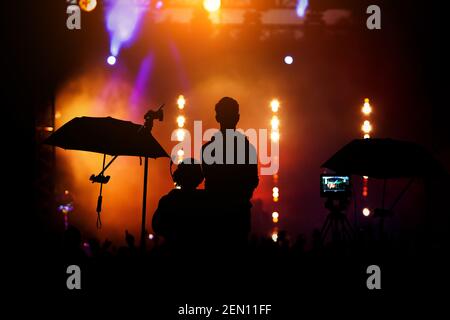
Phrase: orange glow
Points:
(57, 115)
(275, 220)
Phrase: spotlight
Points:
(275, 122)
(275, 136)
(366, 212)
(366, 127)
(275, 105)
(181, 120)
(111, 60)
(159, 5)
(288, 60)
(180, 134)
(302, 5)
(151, 236)
(275, 236)
(181, 102)
(367, 136)
(366, 109)
(275, 215)
(211, 5)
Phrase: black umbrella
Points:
(384, 159)
(114, 137)
(107, 136)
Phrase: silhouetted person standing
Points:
(230, 168)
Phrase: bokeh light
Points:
(366, 109)
(288, 59)
(87, 5)
(111, 60)
(366, 212)
(366, 127)
(274, 105)
(181, 102)
(211, 5)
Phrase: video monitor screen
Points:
(334, 185)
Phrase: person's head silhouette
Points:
(188, 174)
(227, 113)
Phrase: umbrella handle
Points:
(99, 209)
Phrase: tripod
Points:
(337, 222)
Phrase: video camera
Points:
(335, 186)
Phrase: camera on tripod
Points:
(337, 191)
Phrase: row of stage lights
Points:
(366, 129)
(275, 137)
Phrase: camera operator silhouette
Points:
(230, 169)
(181, 214)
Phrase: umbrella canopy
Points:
(107, 136)
(384, 159)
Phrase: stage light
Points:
(88, 5)
(180, 134)
(181, 102)
(159, 5)
(367, 136)
(275, 136)
(275, 215)
(181, 120)
(366, 212)
(288, 60)
(275, 122)
(302, 5)
(275, 191)
(275, 105)
(211, 5)
(151, 236)
(275, 236)
(111, 60)
(366, 127)
(366, 109)
(180, 153)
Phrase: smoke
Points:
(123, 18)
